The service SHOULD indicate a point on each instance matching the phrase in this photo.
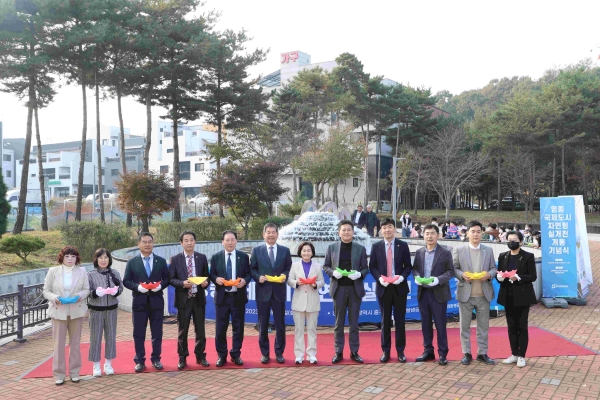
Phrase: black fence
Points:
(22, 309)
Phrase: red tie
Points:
(190, 272)
(389, 261)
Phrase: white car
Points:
(198, 199)
(106, 196)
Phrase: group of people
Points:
(68, 288)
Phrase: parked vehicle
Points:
(106, 196)
(198, 199)
(33, 198)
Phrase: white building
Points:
(194, 163)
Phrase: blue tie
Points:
(272, 257)
(229, 270)
(147, 265)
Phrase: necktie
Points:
(229, 270)
(272, 257)
(389, 261)
(190, 272)
(147, 266)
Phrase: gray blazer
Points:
(462, 263)
(359, 263)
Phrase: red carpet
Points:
(541, 344)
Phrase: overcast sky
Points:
(454, 45)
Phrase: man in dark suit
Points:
(346, 291)
(147, 305)
(230, 301)
(391, 258)
(359, 218)
(433, 261)
(275, 260)
(190, 299)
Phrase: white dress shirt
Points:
(233, 269)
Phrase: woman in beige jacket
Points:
(306, 302)
(66, 288)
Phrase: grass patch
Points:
(41, 259)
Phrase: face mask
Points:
(513, 245)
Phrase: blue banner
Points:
(559, 252)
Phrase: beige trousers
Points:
(300, 317)
(59, 336)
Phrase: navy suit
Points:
(230, 304)
(189, 307)
(147, 306)
(393, 297)
(270, 295)
(362, 220)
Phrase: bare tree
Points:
(452, 163)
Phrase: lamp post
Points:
(394, 188)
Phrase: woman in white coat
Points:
(66, 288)
(306, 302)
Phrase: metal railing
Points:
(22, 309)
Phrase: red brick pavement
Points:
(543, 378)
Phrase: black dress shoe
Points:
(182, 363)
(279, 359)
(221, 361)
(443, 361)
(202, 361)
(264, 359)
(237, 361)
(466, 360)
(356, 358)
(384, 357)
(140, 367)
(157, 365)
(337, 358)
(401, 357)
(426, 356)
(485, 359)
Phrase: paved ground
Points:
(543, 378)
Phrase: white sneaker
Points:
(108, 369)
(299, 360)
(59, 382)
(521, 362)
(510, 360)
(75, 379)
(96, 370)
(312, 359)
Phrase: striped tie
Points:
(390, 270)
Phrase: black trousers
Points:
(392, 302)
(140, 322)
(235, 309)
(517, 319)
(264, 313)
(430, 308)
(196, 311)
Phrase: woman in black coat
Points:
(516, 294)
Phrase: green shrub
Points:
(256, 229)
(206, 229)
(88, 236)
(291, 209)
(21, 245)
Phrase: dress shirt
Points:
(233, 270)
(150, 261)
(429, 255)
(474, 247)
(274, 250)
(185, 255)
(358, 214)
(67, 279)
(387, 246)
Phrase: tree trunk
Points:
(148, 127)
(417, 194)
(585, 194)
(366, 199)
(562, 171)
(378, 175)
(553, 194)
(294, 187)
(499, 206)
(335, 196)
(145, 227)
(122, 146)
(177, 209)
(82, 154)
(99, 151)
(18, 228)
(218, 157)
(41, 170)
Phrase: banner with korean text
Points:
(559, 250)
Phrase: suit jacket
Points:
(135, 273)
(362, 220)
(359, 263)
(305, 297)
(218, 269)
(53, 288)
(402, 265)
(178, 273)
(260, 265)
(442, 268)
(522, 291)
(462, 263)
